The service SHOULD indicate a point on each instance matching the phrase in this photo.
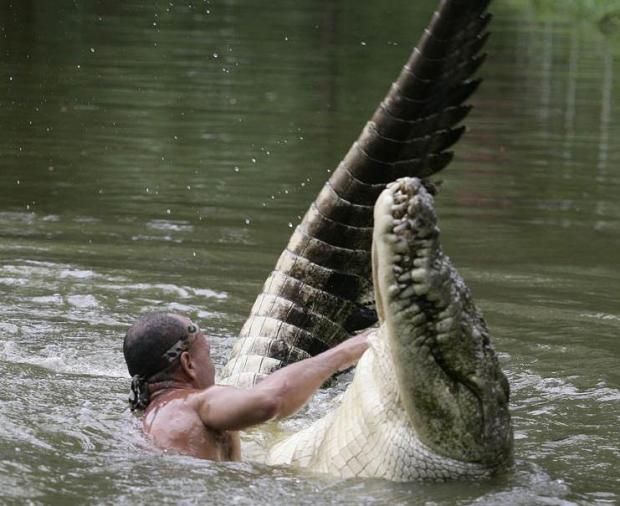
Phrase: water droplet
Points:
(194, 253)
(253, 160)
(168, 211)
(363, 43)
(215, 55)
(236, 169)
(247, 221)
(290, 225)
(92, 49)
(189, 187)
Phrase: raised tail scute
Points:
(408, 135)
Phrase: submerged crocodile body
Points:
(440, 392)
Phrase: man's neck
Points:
(159, 388)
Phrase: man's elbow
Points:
(270, 406)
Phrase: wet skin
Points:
(198, 418)
(173, 423)
(172, 419)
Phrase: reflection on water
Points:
(155, 156)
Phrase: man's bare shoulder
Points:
(173, 423)
(169, 411)
(213, 397)
(185, 407)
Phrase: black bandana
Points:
(140, 390)
(139, 393)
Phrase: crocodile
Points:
(428, 399)
(321, 289)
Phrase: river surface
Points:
(156, 155)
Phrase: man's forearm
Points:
(294, 384)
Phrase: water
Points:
(155, 156)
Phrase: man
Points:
(173, 380)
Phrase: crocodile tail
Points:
(321, 290)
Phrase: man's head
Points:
(168, 347)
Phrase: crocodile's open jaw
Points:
(449, 378)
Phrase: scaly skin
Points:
(320, 290)
(428, 400)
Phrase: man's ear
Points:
(188, 365)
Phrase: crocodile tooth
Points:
(414, 307)
(443, 337)
(420, 262)
(418, 275)
(404, 277)
(401, 227)
(418, 320)
(419, 341)
(447, 312)
(393, 290)
(421, 289)
(401, 246)
(407, 292)
(444, 325)
(402, 200)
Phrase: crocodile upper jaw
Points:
(450, 381)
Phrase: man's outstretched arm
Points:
(279, 395)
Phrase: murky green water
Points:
(155, 155)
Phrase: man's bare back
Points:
(186, 412)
